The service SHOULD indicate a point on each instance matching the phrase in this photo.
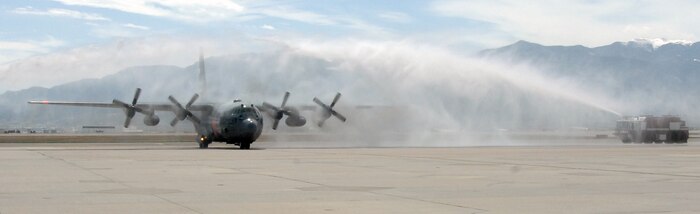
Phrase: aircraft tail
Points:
(202, 76)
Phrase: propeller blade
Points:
(193, 118)
(136, 96)
(194, 98)
(277, 113)
(175, 102)
(284, 101)
(270, 107)
(274, 125)
(179, 112)
(335, 100)
(115, 101)
(184, 113)
(317, 101)
(127, 122)
(338, 115)
(327, 111)
(130, 111)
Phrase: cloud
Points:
(297, 15)
(193, 11)
(15, 51)
(99, 60)
(395, 17)
(60, 13)
(585, 22)
(336, 20)
(219, 10)
(12, 50)
(267, 27)
(115, 31)
(140, 27)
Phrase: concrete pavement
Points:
(178, 178)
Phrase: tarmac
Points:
(583, 176)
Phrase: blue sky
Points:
(69, 23)
(52, 32)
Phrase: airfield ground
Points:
(536, 176)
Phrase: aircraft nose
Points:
(250, 125)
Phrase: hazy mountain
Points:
(646, 76)
(424, 92)
(669, 64)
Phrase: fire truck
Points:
(652, 129)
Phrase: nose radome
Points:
(250, 124)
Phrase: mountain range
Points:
(642, 76)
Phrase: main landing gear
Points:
(204, 142)
(245, 145)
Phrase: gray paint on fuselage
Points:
(234, 122)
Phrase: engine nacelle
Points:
(295, 121)
(151, 120)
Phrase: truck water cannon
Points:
(652, 129)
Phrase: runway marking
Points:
(138, 191)
(478, 210)
(683, 155)
(95, 181)
(343, 188)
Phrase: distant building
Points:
(98, 129)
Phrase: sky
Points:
(93, 38)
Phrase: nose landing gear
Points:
(203, 141)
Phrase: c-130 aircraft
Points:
(232, 122)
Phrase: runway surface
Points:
(601, 176)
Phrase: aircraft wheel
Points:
(626, 140)
(203, 142)
(671, 137)
(203, 145)
(245, 145)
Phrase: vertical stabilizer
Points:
(202, 76)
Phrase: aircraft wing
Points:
(153, 106)
(86, 104)
(313, 108)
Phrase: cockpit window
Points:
(242, 110)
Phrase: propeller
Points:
(279, 112)
(182, 113)
(328, 110)
(130, 109)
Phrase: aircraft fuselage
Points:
(238, 124)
